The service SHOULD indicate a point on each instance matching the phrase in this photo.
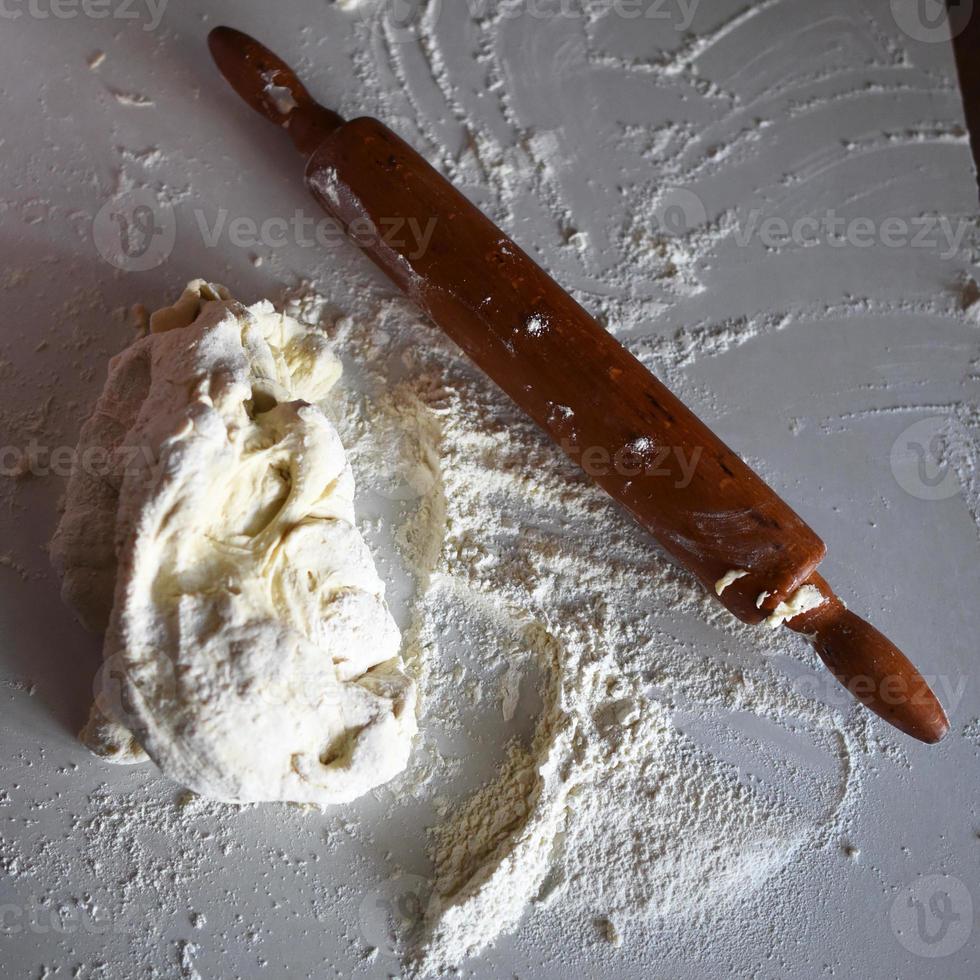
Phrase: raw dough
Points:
(732, 575)
(249, 649)
(805, 598)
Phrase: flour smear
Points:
(661, 783)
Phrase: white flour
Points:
(611, 815)
(701, 834)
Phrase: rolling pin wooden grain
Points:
(599, 403)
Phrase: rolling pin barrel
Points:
(594, 398)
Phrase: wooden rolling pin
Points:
(598, 402)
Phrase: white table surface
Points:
(862, 115)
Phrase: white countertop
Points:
(812, 357)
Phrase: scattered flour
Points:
(611, 814)
(730, 780)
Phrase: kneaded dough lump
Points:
(209, 530)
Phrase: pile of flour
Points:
(616, 810)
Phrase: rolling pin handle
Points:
(271, 88)
(871, 667)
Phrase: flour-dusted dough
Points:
(249, 650)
